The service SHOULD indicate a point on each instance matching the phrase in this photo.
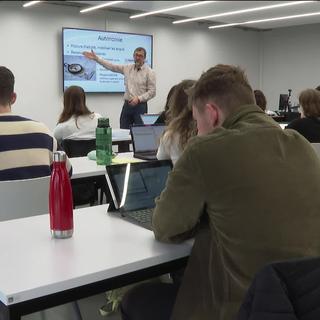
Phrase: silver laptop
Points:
(145, 141)
(134, 187)
(149, 118)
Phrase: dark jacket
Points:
(308, 127)
(287, 290)
(258, 186)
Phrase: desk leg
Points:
(6, 313)
(123, 146)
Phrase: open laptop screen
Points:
(149, 118)
(146, 138)
(136, 185)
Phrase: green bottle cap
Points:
(103, 123)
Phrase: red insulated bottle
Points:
(60, 198)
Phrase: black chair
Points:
(78, 148)
(284, 290)
(84, 190)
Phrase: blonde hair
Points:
(309, 100)
(179, 115)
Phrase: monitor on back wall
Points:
(283, 101)
(116, 47)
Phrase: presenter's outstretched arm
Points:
(108, 65)
(90, 55)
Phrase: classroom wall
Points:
(290, 60)
(31, 48)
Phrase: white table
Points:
(82, 167)
(37, 272)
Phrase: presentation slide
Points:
(115, 47)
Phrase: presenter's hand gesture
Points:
(90, 55)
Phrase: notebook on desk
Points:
(134, 187)
(145, 141)
(149, 118)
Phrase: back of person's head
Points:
(180, 119)
(74, 104)
(226, 86)
(261, 100)
(6, 86)
(309, 100)
(318, 88)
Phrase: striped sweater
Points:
(26, 148)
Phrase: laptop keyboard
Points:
(142, 216)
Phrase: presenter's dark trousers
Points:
(131, 114)
(149, 301)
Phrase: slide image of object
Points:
(79, 68)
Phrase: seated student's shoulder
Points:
(216, 135)
(29, 125)
(298, 123)
(40, 127)
(206, 144)
(292, 138)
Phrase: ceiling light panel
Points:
(100, 6)
(145, 6)
(172, 8)
(30, 3)
(269, 20)
(252, 9)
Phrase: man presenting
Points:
(140, 85)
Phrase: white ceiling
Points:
(219, 7)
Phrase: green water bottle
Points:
(104, 142)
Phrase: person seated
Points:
(309, 123)
(216, 192)
(26, 145)
(261, 100)
(162, 116)
(181, 126)
(76, 121)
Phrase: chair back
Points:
(85, 190)
(24, 198)
(78, 148)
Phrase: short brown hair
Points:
(225, 85)
(261, 100)
(309, 100)
(141, 49)
(6, 85)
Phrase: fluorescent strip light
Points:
(107, 4)
(30, 3)
(266, 20)
(230, 13)
(199, 3)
